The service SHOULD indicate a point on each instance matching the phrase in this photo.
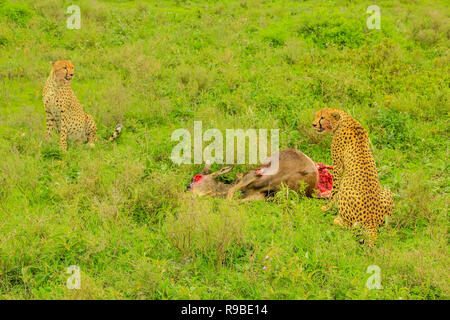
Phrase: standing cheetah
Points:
(356, 187)
(64, 112)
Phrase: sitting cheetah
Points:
(356, 187)
(63, 110)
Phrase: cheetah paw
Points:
(339, 222)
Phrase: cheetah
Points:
(64, 113)
(356, 187)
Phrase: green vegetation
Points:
(119, 210)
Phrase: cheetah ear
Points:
(336, 116)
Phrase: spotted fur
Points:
(356, 187)
(64, 113)
(116, 133)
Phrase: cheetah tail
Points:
(116, 133)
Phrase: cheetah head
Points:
(327, 120)
(63, 70)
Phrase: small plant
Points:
(414, 205)
(200, 228)
(287, 198)
(393, 129)
(51, 152)
(293, 51)
(276, 35)
(3, 41)
(15, 11)
(326, 31)
(195, 79)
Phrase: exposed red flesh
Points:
(325, 184)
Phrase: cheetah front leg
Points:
(339, 222)
(91, 130)
(63, 134)
(373, 235)
(51, 124)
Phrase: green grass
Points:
(119, 210)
